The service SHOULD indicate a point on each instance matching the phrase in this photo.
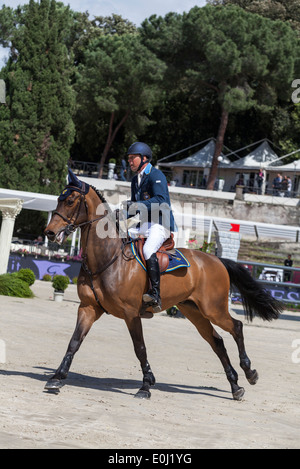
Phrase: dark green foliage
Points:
(7, 24)
(60, 283)
(118, 85)
(232, 60)
(34, 149)
(166, 83)
(30, 224)
(47, 278)
(12, 285)
(27, 276)
(284, 10)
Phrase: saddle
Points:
(162, 254)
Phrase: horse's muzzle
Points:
(56, 237)
(50, 235)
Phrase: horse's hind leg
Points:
(216, 342)
(85, 319)
(134, 325)
(235, 328)
(237, 333)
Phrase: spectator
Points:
(123, 170)
(240, 181)
(287, 273)
(277, 184)
(284, 185)
(289, 187)
(260, 180)
(39, 241)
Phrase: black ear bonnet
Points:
(74, 185)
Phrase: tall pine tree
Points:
(37, 126)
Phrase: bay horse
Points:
(112, 281)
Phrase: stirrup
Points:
(149, 300)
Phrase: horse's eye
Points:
(70, 202)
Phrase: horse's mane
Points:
(107, 206)
(100, 195)
(115, 213)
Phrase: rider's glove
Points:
(126, 204)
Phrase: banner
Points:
(42, 265)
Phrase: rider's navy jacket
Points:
(154, 190)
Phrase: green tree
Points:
(7, 24)
(240, 60)
(284, 10)
(118, 85)
(250, 61)
(83, 31)
(37, 121)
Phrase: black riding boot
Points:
(152, 297)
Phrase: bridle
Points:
(71, 222)
(72, 226)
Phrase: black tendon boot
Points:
(152, 297)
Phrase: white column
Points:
(48, 221)
(264, 183)
(73, 243)
(228, 245)
(10, 208)
(78, 241)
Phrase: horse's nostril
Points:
(50, 234)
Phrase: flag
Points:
(235, 227)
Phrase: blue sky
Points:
(134, 10)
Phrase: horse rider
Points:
(150, 196)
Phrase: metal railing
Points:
(90, 169)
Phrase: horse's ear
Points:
(73, 179)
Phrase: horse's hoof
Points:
(238, 395)
(53, 385)
(143, 394)
(253, 378)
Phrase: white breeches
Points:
(156, 235)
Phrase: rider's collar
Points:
(148, 168)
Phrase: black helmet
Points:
(140, 148)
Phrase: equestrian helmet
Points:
(140, 148)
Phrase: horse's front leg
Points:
(134, 325)
(87, 315)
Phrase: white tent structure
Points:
(31, 200)
(11, 203)
(288, 168)
(201, 159)
(190, 171)
(258, 158)
(246, 168)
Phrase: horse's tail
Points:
(256, 300)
